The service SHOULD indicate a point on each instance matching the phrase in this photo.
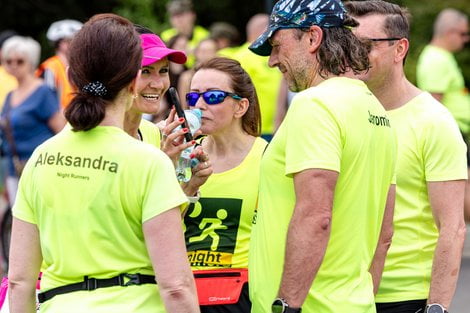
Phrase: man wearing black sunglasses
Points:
(439, 73)
(422, 264)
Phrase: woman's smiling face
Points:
(152, 84)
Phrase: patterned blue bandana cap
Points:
(299, 14)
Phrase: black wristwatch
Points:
(281, 306)
(435, 308)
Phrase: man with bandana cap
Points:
(323, 223)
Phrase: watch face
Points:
(435, 308)
(278, 306)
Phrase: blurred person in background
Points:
(177, 42)
(30, 114)
(423, 261)
(99, 211)
(53, 70)
(183, 21)
(205, 50)
(218, 226)
(226, 37)
(438, 73)
(7, 81)
(267, 80)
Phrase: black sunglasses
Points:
(382, 39)
(210, 97)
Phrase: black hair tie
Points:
(95, 88)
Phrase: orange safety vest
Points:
(64, 88)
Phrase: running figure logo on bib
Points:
(211, 231)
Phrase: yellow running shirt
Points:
(218, 227)
(430, 149)
(89, 194)
(267, 82)
(150, 133)
(438, 72)
(338, 125)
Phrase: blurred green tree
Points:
(148, 13)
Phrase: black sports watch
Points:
(435, 308)
(281, 306)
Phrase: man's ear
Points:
(241, 107)
(315, 37)
(402, 49)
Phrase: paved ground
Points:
(461, 302)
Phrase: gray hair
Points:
(26, 46)
(447, 19)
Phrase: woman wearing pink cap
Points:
(151, 86)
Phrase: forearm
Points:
(189, 190)
(446, 265)
(377, 266)
(22, 297)
(306, 244)
(179, 297)
(446, 200)
(385, 240)
(165, 244)
(25, 262)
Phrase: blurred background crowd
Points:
(202, 28)
(33, 18)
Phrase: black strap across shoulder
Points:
(90, 284)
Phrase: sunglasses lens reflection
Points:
(210, 97)
(214, 97)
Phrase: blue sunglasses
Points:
(210, 97)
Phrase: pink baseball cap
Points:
(154, 50)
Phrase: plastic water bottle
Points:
(193, 118)
(185, 163)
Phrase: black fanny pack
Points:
(90, 284)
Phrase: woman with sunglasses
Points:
(151, 85)
(97, 210)
(218, 226)
(30, 114)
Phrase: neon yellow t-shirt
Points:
(230, 52)
(438, 72)
(218, 227)
(106, 185)
(430, 149)
(338, 125)
(150, 133)
(267, 81)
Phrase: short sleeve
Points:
(162, 190)
(48, 105)
(444, 150)
(23, 209)
(313, 137)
